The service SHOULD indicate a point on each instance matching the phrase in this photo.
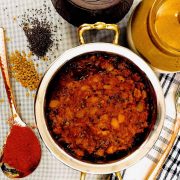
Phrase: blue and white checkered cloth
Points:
(50, 168)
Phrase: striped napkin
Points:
(171, 168)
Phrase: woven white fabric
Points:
(11, 15)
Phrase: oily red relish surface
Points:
(100, 107)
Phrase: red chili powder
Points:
(22, 150)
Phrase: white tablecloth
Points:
(11, 16)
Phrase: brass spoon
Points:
(16, 120)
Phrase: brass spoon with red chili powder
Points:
(22, 151)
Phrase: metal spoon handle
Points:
(5, 75)
(156, 171)
(158, 168)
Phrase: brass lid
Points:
(147, 40)
(164, 25)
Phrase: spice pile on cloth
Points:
(23, 70)
(39, 37)
(40, 31)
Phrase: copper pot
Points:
(57, 151)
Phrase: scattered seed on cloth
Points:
(1, 101)
(39, 37)
(23, 70)
(42, 31)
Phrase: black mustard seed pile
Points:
(40, 31)
(39, 38)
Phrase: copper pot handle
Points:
(99, 26)
(83, 176)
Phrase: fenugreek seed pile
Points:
(23, 70)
